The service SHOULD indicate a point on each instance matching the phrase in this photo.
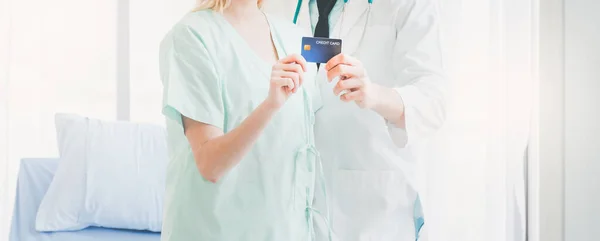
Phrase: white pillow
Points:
(111, 174)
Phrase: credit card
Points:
(320, 50)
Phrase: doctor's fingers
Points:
(342, 59)
(347, 84)
(357, 95)
(297, 78)
(294, 58)
(345, 72)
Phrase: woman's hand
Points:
(286, 78)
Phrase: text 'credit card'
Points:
(320, 50)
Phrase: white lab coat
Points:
(370, 165)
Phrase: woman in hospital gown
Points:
(215, 82)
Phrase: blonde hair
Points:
(216, 5)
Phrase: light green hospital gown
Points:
(211, 75)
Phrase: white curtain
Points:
(474, 169)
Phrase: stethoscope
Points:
(368, 13)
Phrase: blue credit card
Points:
(320, 50)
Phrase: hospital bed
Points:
(34, 179)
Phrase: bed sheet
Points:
(34, 179)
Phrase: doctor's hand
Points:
(286, 78)
(353, 80)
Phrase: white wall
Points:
(582, 120)
(546, 156)
(150, 20)
(4, 27)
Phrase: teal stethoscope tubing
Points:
(299, 6)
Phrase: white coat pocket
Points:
(371, 204)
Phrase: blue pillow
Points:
(110, 174)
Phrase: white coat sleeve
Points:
(418, 72)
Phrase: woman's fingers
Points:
(281, 82)
(291, 67)
(295, 77)
(294, 58)
(297, 69)
(347, 84)
(293, 71)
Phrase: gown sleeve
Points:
(191, 84)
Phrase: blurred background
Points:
(518, 158)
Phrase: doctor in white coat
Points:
(380, 100)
